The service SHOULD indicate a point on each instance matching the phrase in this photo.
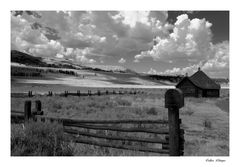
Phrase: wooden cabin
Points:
(199, 85)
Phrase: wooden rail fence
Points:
(79, 93)
(172, 136)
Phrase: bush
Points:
(39, 139)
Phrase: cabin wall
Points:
(211, 93)
(199, 92)
(188, 88)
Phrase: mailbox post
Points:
(173, 101)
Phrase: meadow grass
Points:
(39, 139)
(206, 124)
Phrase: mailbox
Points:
(174, 98)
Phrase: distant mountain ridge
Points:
(24, 58)
(27, 59)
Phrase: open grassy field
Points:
(205, 120)
(44, 79)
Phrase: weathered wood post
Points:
(29, 93)
(27, 110)
(78, 93)
(38, 105)
(49, 93)
(173, 101)
(65, 93)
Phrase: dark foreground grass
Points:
(39, 139)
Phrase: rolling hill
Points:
(36, 71)
(29, 60)
(26, 59)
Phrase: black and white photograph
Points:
(119, 83)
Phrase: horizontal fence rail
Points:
(134, 148)
(120, 129)
(125, 138)
(126, 121)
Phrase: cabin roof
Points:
(201, 80)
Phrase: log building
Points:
(199, 85)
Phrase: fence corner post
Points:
(173, 101)
(27, 110)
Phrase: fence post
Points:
(173, 101)
(66, 93)
(27, 110)
(78, 93)
(29, 93)
(38, 105)
(49, 93)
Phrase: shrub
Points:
(39, 139)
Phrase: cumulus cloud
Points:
(190, 42)
(81, 56)
(122, 61)
(112, 33)
(94, 36)
(59, 56)
(216, 66)
(28, 36)
(152, 71)
(190, 39)
(132, 17)
(181, 71)
(48, 49)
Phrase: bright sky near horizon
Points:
(184, 40)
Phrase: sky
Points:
(154, 42)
